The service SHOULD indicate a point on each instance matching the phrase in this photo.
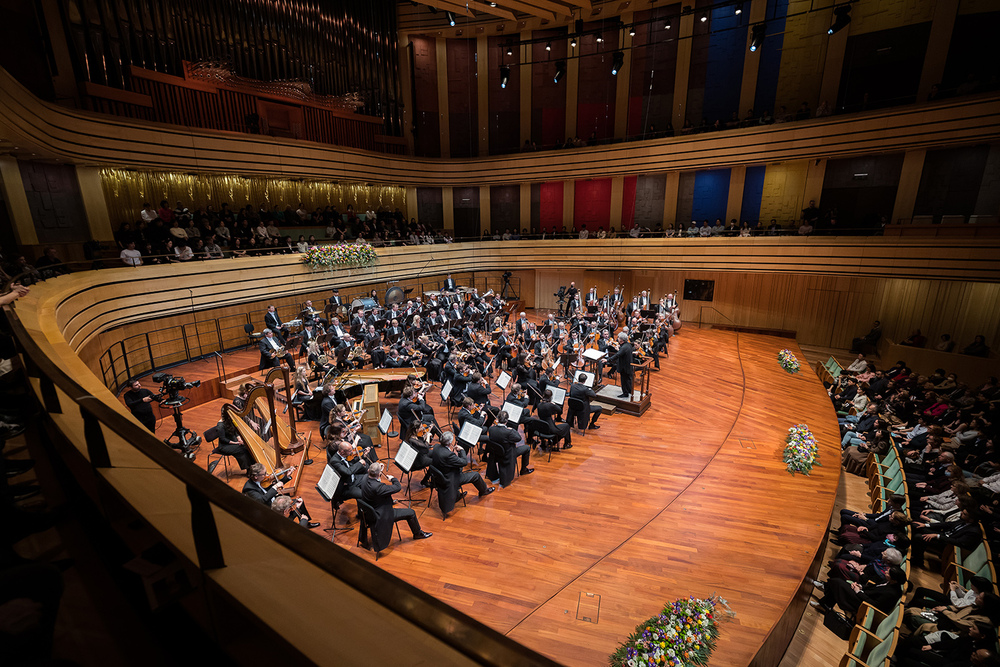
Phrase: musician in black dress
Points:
(231, 444)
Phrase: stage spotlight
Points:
(704, 17)
(572, 42)
(504, 76)
(617, 60)
(493, 4)
(757, 36)
(599, 38)
(560, 70)
(510, 50)
(841, 17)
(739, 9)
(668, 25)
(631, 31)
(451, 19)
(548, 46)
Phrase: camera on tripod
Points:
(561, 294)
(171, 387)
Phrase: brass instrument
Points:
(278, 352)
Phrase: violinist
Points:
(585, 394)
(349, 424)
(605, 343)
(413, 409)
(396, 360)
(254, 487)
(470, 412)
(351, 469)
(522, 371)
(379, 496)
(547, 411)
(502, 471)
(294, 510)
(478, 390)
(503, 348)
(519, 396)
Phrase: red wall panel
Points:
(550, 205)
(592, 204)
(548, 99)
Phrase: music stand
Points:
(327, 487)
(513, 413)
(469, 434)
(503, 381)
(558, 395)
(405, 457)
(384, 424)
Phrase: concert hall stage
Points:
(692, 498)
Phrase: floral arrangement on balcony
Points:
(341, 254)
(801, 452)
(788, 361)
(682, 635)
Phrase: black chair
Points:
(577, 411)
(211, 435)
(540, 428)
(438, 481)
(368, 520)
(252, 338)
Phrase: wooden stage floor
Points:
(692, 498)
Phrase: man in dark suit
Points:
(448, 285)
(585, 394)
(522, 324)
(351, 473)
(848, 595)
(547, 411)
(379, 496)
(623, 359)
(509, 440)
(273, 322)
(335, 299)
(270, 351)
(450, 460)
(254, 490)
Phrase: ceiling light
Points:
(504, 76)
(572, 42)
(757, 36)
(739, 9)
(548, 46)
(667, 26)
(599, 38)
(617, 61)
(704, 17)
(560, 70)
(510, 50)
(451, 19)
(842, 16)
(631, 31)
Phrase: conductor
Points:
(623, 358)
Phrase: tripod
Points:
(186, 439)
(507, 286)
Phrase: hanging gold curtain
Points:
(126, 190)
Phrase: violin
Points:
(272, 478)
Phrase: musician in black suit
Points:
(509, 440)
(450, 460)
(413, 409)
(623, 359)
(327, 406)
(585, 394)
(271, 351)
(351, 472)
(547, 412)
(254, 490)
(335, 299)
(379, 496)
(448, 285)
(519, 396)
(572, 301)
(273, 322)
(475, 390)
(373, 343)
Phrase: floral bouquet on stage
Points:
(682, 635)
(341, 254)
(788, 361)
(801, 452)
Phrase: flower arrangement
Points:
(683, 634)
(788, 361)
(341, 254)
(801, 452)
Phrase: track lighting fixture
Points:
(617, 61)
(504, 76)
(451, 19)
(841, 17)
(757, 36)
(560, 70)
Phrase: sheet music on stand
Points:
(513, 413)
(558, 361)
(446, 390)
(504, 380)
(328, 483)
(589, 378)
(385, 421)
(470, 433)
(594, 354)
(558, 395)
(405, 456)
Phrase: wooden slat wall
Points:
(78, 136)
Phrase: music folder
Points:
(384, 422)
(558, 395)
(504, 380)
(513, 413)
(328, 483)
(405, 456)
(594, 354)
(470, 433)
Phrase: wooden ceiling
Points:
(551, 10)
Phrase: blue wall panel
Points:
(725, 64)
(753, 190)
(770, 59)
(711, 194)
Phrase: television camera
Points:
(169, 396)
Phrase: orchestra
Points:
(460, 338)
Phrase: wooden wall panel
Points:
(426, 114)
(548, 99)
(463, 98)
